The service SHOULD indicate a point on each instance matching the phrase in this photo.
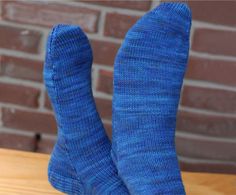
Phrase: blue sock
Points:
(81, 162)
(148, 75)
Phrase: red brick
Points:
(209, 99)
(21, 68)
(47, 103)
(217, 71)
(45, 146)
(48, 14)
(198, 165)
(104, 52)
(17, 142)
(17, 94)
(29, 120)
(137, 5)
(211, 125)
(104, 108)
(19, 39)
(219, 12)
(204, 148)
(105, 81)
(214, 41)
(117, 25)
(108, 129)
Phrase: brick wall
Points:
(207, 113)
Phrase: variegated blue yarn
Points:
(80, 162)
(148, 76)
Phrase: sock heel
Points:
(63, 184)
(61, 174)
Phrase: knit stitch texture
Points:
(80, 162)
(148, 76)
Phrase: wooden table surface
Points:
(25, 173)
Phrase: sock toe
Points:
(181, 8)
(65, 41)
(68, 53)
(177, 16)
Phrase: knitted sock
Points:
(149, 71)
(81, 161)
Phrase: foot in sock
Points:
(81, 161)
(148, 76)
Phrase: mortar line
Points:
(207, 138)
(206, 112)
(208, 85)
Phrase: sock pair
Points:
(148, 76)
